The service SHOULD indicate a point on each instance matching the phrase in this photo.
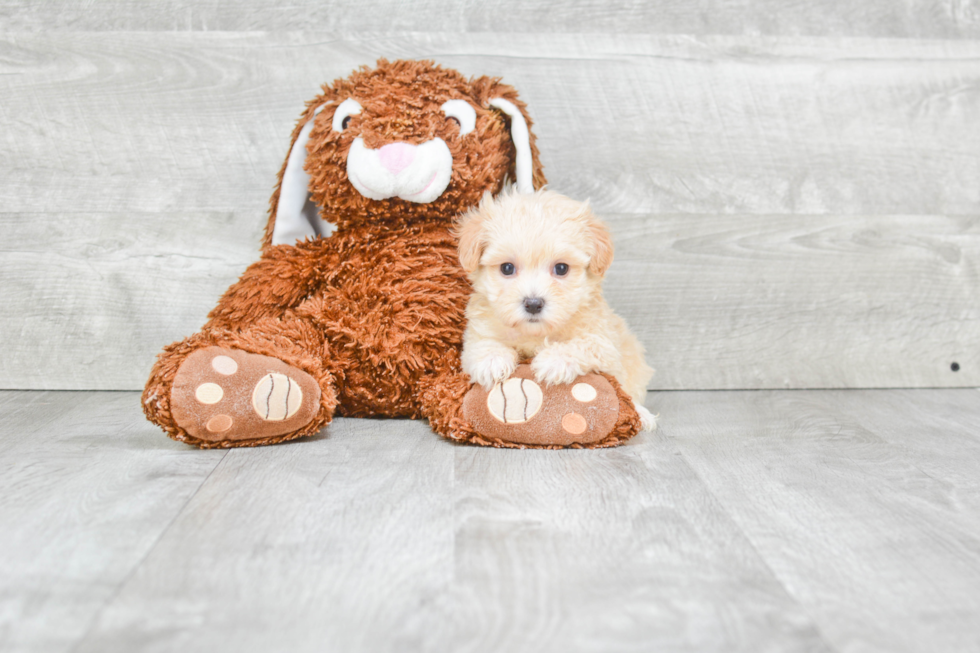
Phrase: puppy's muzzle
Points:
(533, 305)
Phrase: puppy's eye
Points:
(561, 269)
(346, 109)
(507, 269)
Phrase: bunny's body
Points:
(368, 320)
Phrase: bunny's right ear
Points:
(521, 137)
(293, 216)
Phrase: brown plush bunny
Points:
(368, 320)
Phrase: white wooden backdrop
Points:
(794, 187)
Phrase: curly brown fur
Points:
(374, 313)
(395, 110)
(289, 341)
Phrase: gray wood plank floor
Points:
(844, 520)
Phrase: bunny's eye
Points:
(462, 112)
(341, 117)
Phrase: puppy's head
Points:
(537, 258)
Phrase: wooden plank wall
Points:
(794, 188)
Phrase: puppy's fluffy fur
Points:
(549, 304)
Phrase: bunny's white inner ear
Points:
(522, 143)
(297, 217)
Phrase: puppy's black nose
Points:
(533, 305)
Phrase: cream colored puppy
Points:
(536, 262)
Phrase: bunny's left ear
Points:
(527, 171)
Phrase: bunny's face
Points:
(408, 142)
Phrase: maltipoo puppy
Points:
(536, 262)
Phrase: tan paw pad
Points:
(276, 397)
(209, 393)
(221, 394)
(224, 365)
(515, 400)
(520, 411)
(584, 392)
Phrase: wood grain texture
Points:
(87, 486)
(199, 122)
(618, 550)
(135, 170)
(719, 301)
(944, 441)
(801, 301)
(753, 521)
(850, 500)
(93, 299)
(342, 542)
(914, 18)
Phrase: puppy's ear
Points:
(602, 241)
(469, 232)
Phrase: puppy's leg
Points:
(487, 362)
(563, 362)
(648, 421)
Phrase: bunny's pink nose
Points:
(395, 157)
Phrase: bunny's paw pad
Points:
(523, 412)
(222, 394)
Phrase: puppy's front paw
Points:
(552, 368)
(648, 422)
(492, 369)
